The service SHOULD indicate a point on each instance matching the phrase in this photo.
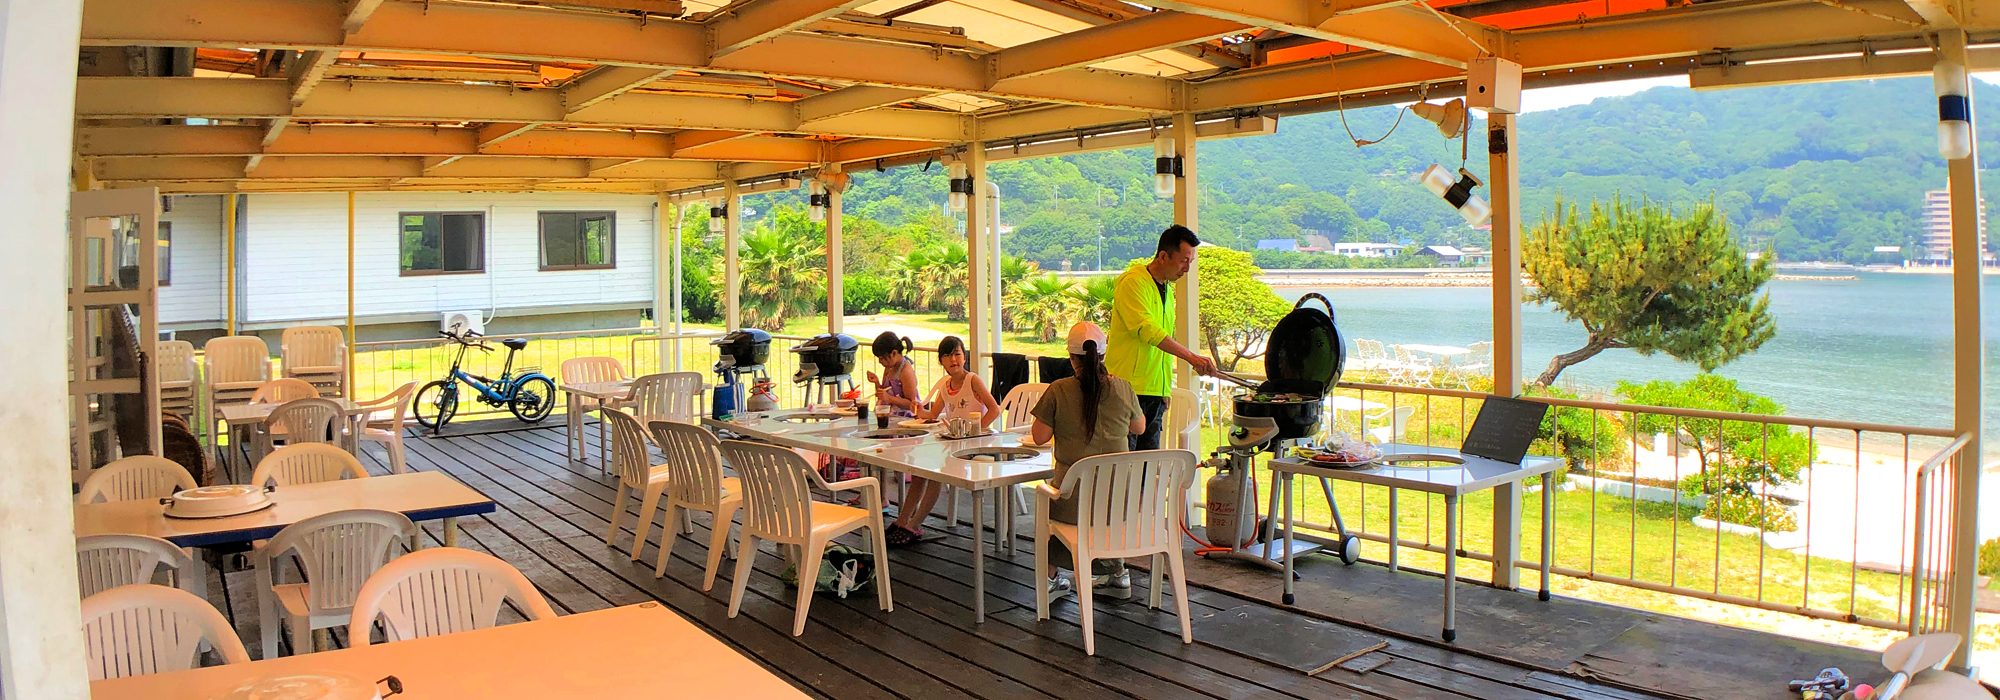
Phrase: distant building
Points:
(1937, 227)
(1367, 250)
(1318, 242)
(1474, 257)
(1288, 244)
(1444, 253)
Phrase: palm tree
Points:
(784, 275)
(1044, 304)
(1014, 269)
(1093, 298)
(934, 277)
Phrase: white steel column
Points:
(665, 274)
(732, 269)
(1968, 346)
(41, 636)
(993, 267)
(1187, 212)
(977, 290)
(836, 304)
(1504, 178)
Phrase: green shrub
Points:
(1750, 510)
(1989, 557)
(1585, 437)
(865, 294)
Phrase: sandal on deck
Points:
(898, 536)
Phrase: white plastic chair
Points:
(305, 420)
(666, 396)
(440, 591)
(144, 629)
(1125, 508)
(104, 562)
(1183, 425)
(1391, 422)
(695, 482)
(590, 370)
(383, 423)
(636, 473)
(316, 354)
(133, 478)
(1478, 363)
(779, 508)
(1016, 410)
(283, 390)
(337, 552)
(179, 390)
(232, 367)
(1411, 369)
(307, 463)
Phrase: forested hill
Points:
(1819, 172)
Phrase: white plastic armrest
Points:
(1045, 491)
(855, 484)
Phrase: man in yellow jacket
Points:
(1141, 336)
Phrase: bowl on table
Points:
(217, 501)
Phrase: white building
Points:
(528, 261)
(1367, 250)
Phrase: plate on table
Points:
(923, 424)
(842, 410)
(1029, 441)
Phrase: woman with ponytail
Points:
(1086, 415)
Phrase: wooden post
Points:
(1504, 181)
(347, 384)
(1187, 212)
(836, 309)
(977, 291)
(229, 248)
(1968, 345)
(732, 268)
(41, 636)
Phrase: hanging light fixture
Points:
(1166, 166)
(1458, 193)
(1954, 109)
(1449, 117)
(718, 213)
(817, 200)
(961, 184)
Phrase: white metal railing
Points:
(1934, 553)
(1860, 505)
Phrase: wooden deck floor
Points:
(551, 522)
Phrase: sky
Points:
(1540, 99)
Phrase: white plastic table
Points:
(1443, 351)
(245, 415)
(633, 651)
(927, 456)
(1454, 482)
(612, 391)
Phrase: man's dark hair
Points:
(1172, 238)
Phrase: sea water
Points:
(1875, 349)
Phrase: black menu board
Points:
(1504, 428)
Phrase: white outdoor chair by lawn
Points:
(1387, 424)
(144, 629)
(673, 396)
(104, 562)
(1125, 508)
(133, 478)
(317, 355)
(1411, 369)
(1477, 363)
(633, 465)
(779, 508)
(337, 552)
(695, 482)
(307, 463)
(590, 370)
(384, 423)
(1369, 355)
(440, 591)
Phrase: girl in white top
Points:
(960, 394)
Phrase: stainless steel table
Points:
(928, 456)
(1454, 482)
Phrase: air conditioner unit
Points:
(463, 321)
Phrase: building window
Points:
(578, 240)
(436, 243)
(166, 263)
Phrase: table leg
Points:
(574, 423)
(451, 532)
(1287, 481)
(1394, 548)
(195, 578)
(1270, 519)
(1506, 535)
(1548, 530)
(978, 556)
(1450, 568)
(1007, 495)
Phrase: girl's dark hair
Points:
(1090, 374)
(951, 345)
(889, 342)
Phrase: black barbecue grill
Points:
(1302, 362)
(743, 348)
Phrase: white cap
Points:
(1082, 332)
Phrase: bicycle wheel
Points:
(533, 398)
(436, 403)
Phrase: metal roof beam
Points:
(495, 132)
(343, 140)
(851, 99)
(733, 28)
(1392, 26)
(254, 98)
(349, 168)
(606, 82)
(1132, 37)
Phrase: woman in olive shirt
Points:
(1086, 415)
